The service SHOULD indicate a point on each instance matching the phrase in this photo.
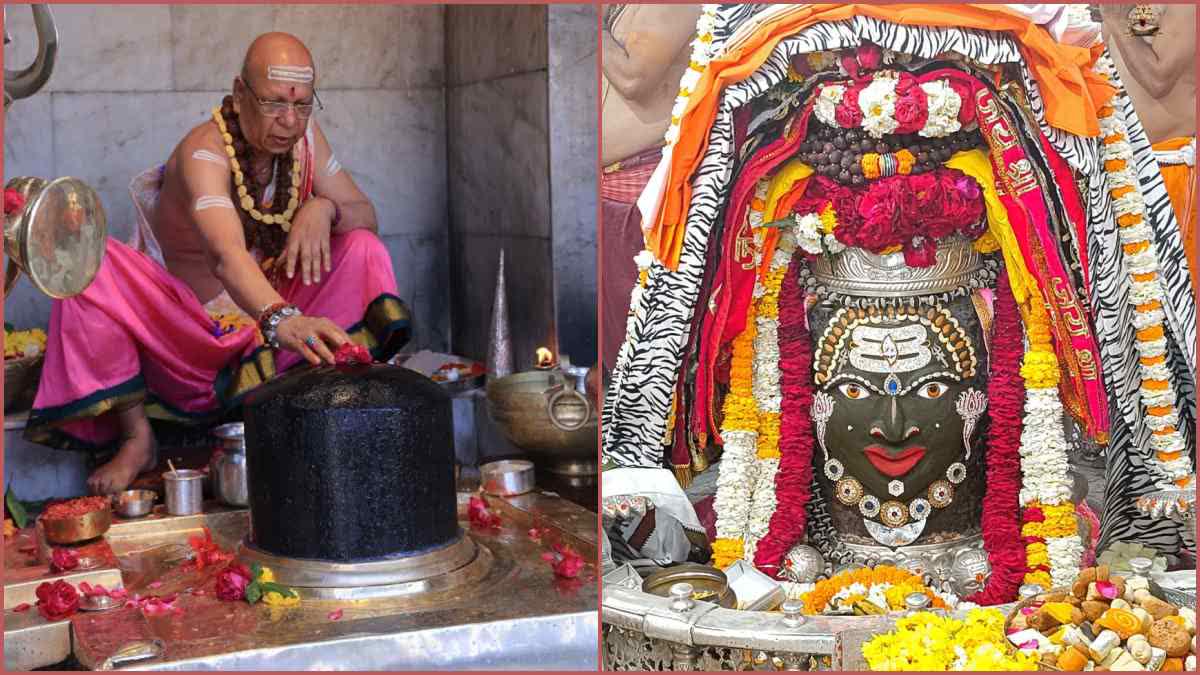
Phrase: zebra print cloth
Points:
(639, 401)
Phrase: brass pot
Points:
(708, 583)
(541, 413)
(77, 528)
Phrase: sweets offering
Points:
(1106, 622)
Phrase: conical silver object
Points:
(500, 354)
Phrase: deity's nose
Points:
(891, 425)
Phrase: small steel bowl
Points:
(709, 583)
(507, 477)
(134, 503)
(78, 528)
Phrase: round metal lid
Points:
(61, 236)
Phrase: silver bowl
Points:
(507, 477)
(134, 503)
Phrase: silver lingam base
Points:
(461, 563)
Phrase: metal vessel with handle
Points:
(26, 82)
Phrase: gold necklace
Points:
(284, 220)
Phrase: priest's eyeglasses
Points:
(280, 108)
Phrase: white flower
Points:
(944, 104)
(808, 232)
(827, 102)
(878, 104)
(833, 245)
(1066, 554)
(735, 478)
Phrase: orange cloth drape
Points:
(1072, 92)
(1180, 181)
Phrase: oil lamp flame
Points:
(545, 358)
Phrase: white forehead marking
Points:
(213, 202)
(332, 166)
(301, 74)
(210, 157)
(899, 349)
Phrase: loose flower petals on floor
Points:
(335, 615)
(206, 550)
(480, 516)
(64, 560)
(23, 607)
(565, 562)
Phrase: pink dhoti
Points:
(138, 334)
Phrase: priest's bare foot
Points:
(138, 453)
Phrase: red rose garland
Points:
(794, 480)
(1006, 402)
(909, 211)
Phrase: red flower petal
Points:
(24, 606)
(335, 615)
(1107, 589)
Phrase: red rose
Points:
(352, 352)
(966, 113)
(847, 113)
(565, 562)
(13, 202)
(64, 560)
(57, 600)
(232, 583)
(869, 56)
(912, 110)
(882, 208)
(849, 65)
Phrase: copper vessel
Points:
(77, 528)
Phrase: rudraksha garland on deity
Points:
(265, 227)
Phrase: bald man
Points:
(254, 251)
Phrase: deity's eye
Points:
(853, 391)
(932, 390)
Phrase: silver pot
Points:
(227, 467)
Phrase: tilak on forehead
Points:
(298, 74)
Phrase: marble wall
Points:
(132, 79)
(574, 69)
(515, 76)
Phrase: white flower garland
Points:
(1144, 295)
(1046, 477)
(701, 55)
(877, 102)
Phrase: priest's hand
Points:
(308, 240)
(313, 337)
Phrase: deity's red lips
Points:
(894, 465)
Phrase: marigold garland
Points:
(1169, 461)
(1053, 548)
(737, 474)
(767, 392)
(817, 600)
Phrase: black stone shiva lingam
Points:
(351, 474)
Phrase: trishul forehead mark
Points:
(300, 74)
(937, 319)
